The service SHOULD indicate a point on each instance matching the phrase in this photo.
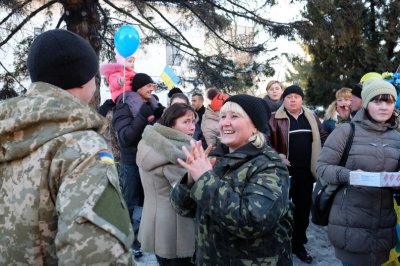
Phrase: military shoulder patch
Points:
(106, 156)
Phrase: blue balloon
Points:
(126, 40)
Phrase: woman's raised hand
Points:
(197, 162)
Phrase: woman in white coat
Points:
(162, 231)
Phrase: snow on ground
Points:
(318, 246)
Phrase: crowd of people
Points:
(225, 184)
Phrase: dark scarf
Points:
(273, 106)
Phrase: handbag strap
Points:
(349, 142)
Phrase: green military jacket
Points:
(60, 201)
(241, 208)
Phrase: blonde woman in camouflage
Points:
(240, 197)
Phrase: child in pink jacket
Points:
(119, 80)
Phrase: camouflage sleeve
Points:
(254, 211)
(181, 200)
(93, 221)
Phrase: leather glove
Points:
(146, 112)
(159, 111)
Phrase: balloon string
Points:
(123, 88)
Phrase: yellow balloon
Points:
(370, 75)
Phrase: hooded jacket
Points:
(162, 230)
(241, 208)
(113, 72)
(210, 126)
(59, 194)
(362, 219)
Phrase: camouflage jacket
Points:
(59, 196)
(241, 208)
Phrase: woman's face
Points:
(235, 130)
(380, 111)
(186, 123)
(275, 92)
(343, 102)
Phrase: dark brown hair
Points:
(180, 96)
(383, 98)
(174, 112)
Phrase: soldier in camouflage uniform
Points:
(241, 204)
(59, 197)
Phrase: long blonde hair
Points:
(258, 139)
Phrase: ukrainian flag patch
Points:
(106, 157)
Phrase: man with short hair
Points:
(197, 103)
(60, 202)
(297, 135)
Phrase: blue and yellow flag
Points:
(106, 156)
(169, 78)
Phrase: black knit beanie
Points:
(62, 58)
(255, 109)
(292, 89)
(140, 80)
(173, 91)
(356, 90)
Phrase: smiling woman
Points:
(240, 197)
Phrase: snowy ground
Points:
(318, 246)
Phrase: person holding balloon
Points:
(119, 75)
(134, 110)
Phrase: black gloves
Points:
(146, 112)
(159, 111)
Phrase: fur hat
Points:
(218, 101)
(140, 80)
(62, 58)
(292, 89)
(376, 86)
(255, 108)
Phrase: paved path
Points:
(318, 245)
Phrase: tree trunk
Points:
(83, 18)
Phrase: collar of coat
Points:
(247, 150)
(167, 141)
(316, 143)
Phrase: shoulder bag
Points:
(323, 195)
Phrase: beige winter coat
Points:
(210, 127)
(162, 230)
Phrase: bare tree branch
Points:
(20, 25)
(11, 75)
(153, 28)
(15, 10)
(255, 49)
